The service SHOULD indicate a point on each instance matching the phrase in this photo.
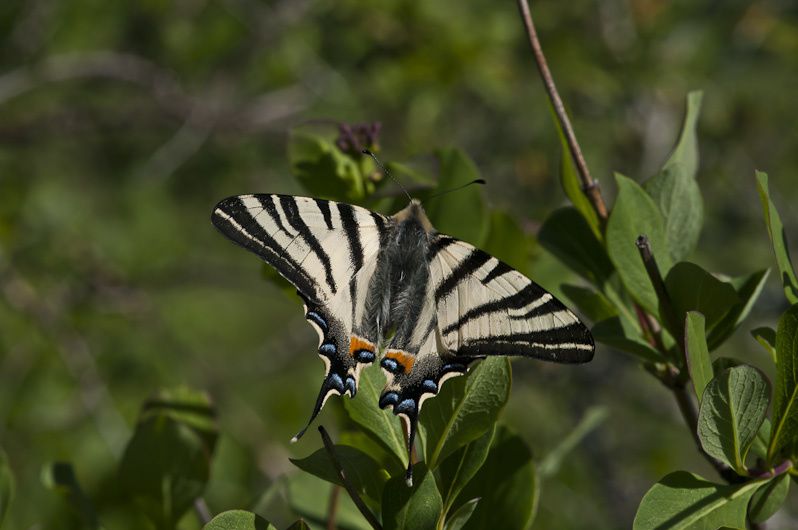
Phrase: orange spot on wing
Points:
(403, 359)
(358, 343)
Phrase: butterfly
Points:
(395, 291)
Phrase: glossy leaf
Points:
(590, 303)
(675, 189)
(323, 170)
(409, 508)
(6, 485)
(461, 515)
(698, 361)
(785, 400)
(507, 486)
(732, 409)
(571, 184)
(166, 463)
(684, 501)
(465, 410)
(567, 235)
(635, 213)
(618, 333)
(381, 424)
(60, 477)
(748, 289)
(767, 338)
(361, 471)
(767, 500)
(461, 466)
(593, 417)
(238, 520)
(462, 214)
(691, 288)
(778, 239)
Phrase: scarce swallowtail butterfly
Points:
(395, 291)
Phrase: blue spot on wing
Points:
(317, 319)
(328, 349)
(351, 385)
(389, 364)
(430, 386)
(364, 356)
(391, 398)
(407, 405)
(336, 382)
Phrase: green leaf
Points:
(785, 402)
(461, 466)
(506, 485)
(571, 184)
(691, 288)
(594, 417)
(617, 332)
(732, 409)
(768, 498)
(461, 515)
(760, 444)
(682, 501)
(748, 289)
(778, 239)
(635, 214)
(6, 485)
(698, 361)
(462, 214)
(507, 241)
(767, 338)
(567, 235)
(324, 170)
(166, 463)
(381, 424)
(409, 508)
(722, 364)
(361, 471)
(299, 525)
(309, 497)
(675, 189)
(60, 477)
(238, 520)
(592, 304)
(465, 410)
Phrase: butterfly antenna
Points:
(467, 184)
(388, 173)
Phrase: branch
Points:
(350, 489)
(589, 186)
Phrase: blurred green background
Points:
(122, 123)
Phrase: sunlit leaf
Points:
(767, 338)
(635, 213)
(732, 409)
(683, 501)
(698, 361)
(238, 520)
(778, 239)
(381, 424)
(461, 515)
(675, 189)
(459, 467)
(323, 170)
(465, 409)
(785, 400)
(767, 500)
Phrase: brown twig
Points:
(203, 512)
(350, 489)
(589, 186)
(332, 506)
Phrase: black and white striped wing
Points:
(327, 250)
(485, 307)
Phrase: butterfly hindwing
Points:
(327, 251)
